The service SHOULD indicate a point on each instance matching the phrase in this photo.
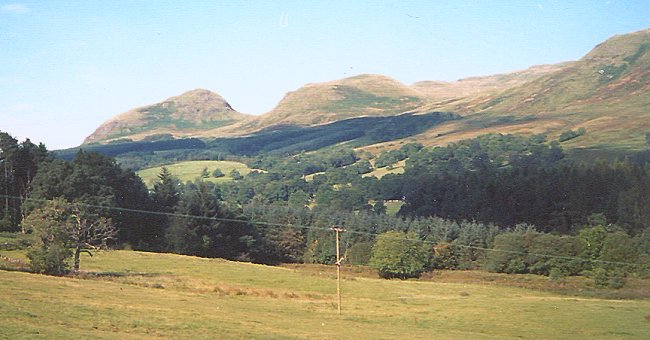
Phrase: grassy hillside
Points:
(363, 95)
(607, 92)
(132, 294)
(185, 115)
(191, 170)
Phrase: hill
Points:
(362, 95)
(133, 294)
(185, 115)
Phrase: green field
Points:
(397, 168)
(191, 170)
(144, 295)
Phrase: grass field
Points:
(146, 295)
(397, 168)
(191, 170)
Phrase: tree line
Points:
(500, 203)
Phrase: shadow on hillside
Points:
(356, 131)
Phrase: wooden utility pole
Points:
(338, 266)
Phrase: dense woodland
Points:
(497, 202)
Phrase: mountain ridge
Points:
(606, 91)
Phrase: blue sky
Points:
(67, 66)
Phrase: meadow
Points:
(145, 295)
(191, 170)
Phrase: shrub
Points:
(217, 173)
(399, 255)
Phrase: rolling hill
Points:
(185, 115)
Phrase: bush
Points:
(51, 260)
(359, 253)
(604, 278)
(217, 173)
(557, 273)
(399, 255)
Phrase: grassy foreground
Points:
(145, 295)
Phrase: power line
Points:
(365, 233)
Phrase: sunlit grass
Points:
(191, 170)
(134, 294)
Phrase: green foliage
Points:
(217, 173)
(568, 135)
(389, 157)
(321, 248)
(6, 224)
(198, 230)
(529, 251)
(51, 252)
(604, 278)
(399, 255)
(592, 240)
(235, 175)
(205, 173)
(359, 253)
(19, 163)
(98, 180)
(166, 193)
(63, 230)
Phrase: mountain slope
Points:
(614, 71)
(607, 92)
(477, 86)
(363, 95)
(182, 116)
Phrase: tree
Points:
(165, 191)
(205, 227)
(98, 180)
(205, 173)
(235, 175)
(64, 230)
(379, 207)
(217, 173)
(18, 166)
(88, 232)
(399, 255)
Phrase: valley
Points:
(502, 206)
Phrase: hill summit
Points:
(180, 116)
(362, 95)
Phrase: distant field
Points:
(141, 295)
(393, 207)
(191, 170)
(397, 168)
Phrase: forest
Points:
(500, 203)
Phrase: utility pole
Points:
(338, 230)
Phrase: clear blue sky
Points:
(67, 66)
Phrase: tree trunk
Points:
(77, 252)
